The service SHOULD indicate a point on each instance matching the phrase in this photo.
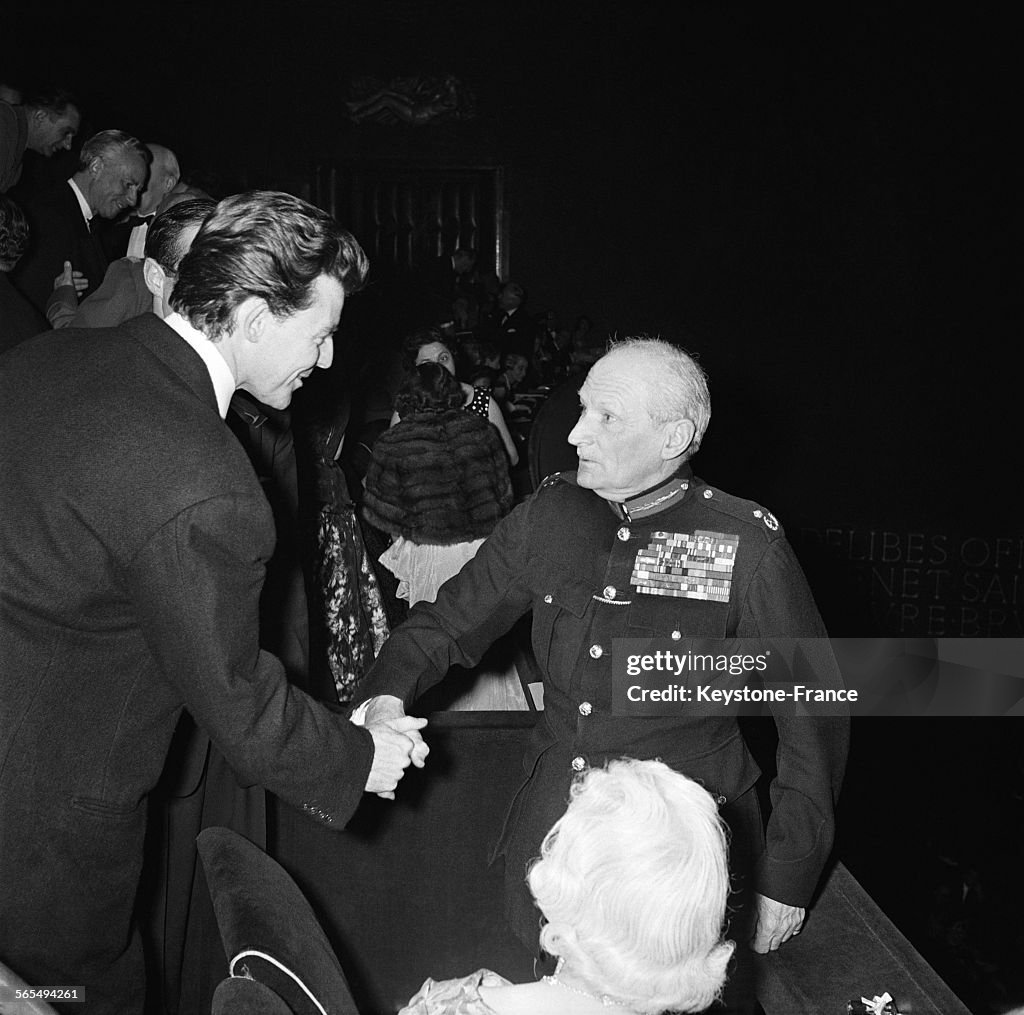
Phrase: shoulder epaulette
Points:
(743, 510)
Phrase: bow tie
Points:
(140, 220)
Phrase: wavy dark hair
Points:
(265, 244)
(13, 233)
(428, 388)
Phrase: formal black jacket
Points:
(132, 556)
(59, 233)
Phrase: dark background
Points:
(813, 198)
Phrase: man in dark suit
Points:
(512, 328)
(134, 286)
(126, 236)
(133, 553)
(111, 172)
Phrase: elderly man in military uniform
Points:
(575, 555)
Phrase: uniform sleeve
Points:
(812, 750)
(471, 611)
(196, 585)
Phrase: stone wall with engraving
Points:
(917, 583)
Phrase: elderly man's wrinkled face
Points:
(117, 184)
(621, 450)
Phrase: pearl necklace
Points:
(605, 1000)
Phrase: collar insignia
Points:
(650, 503)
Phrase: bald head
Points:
(163, 177)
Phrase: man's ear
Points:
(678, 438)
(252, 317)
(154, 276)
(95, 165)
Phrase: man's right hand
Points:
(71, 277)
(396, 744)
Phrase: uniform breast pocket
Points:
(664, 616)
(559, 609)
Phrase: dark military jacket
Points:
(578, 562)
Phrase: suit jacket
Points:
(59, 233)
(133, 551)
(514, 335)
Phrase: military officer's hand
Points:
(776, 924)
(394, 741)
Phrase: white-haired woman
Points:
(632, 881)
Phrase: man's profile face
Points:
(162, 171)
(117, 184)
(619, 446)
(291, 348)
(57, 130)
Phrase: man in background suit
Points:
(45, 122)
(126, 237)
(512, 328)
(111, 173)
(133, 557)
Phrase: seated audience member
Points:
(428, 345)
(511, 378)
(632, 881)
(45, 122)
(131, 286)
(18, 318)
(111, 173)
(438, 483)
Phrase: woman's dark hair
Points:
(428, 388)
(415, 341)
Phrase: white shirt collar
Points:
(82, 203)
(220, 373)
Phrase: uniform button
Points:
(548, 599)
(596, 651)
(757, 512)
(578, 764)
(609, 591)
(623, 533)
(719, 799)
(586, 708)
(708, 495)
(676, 635)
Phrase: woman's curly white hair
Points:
(633, 881)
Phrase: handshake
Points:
(397, 742)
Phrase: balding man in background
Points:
(45, 122)
(110, 176)
(127, 237)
